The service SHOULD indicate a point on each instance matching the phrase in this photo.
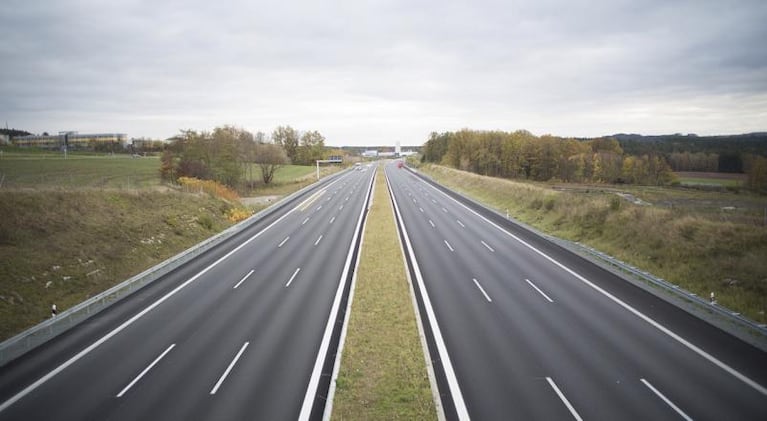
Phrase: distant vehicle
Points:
(357, 166)
(400, 164)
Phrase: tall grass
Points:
(700, 251)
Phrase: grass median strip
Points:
(383, 370)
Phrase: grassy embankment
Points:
(383, 372)
(72, 228)
(703, 241)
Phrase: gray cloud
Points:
(380, 71)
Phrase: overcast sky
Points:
(377, 72)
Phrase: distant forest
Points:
(634, 159)
(14, 132)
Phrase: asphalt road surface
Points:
(519, 328)
(243, 332)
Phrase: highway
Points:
(519, 328)
(246, 331)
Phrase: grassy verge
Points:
(383, 372)
(691, 238)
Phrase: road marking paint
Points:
(539, 291)
(292, 277)
(347, 199)
(564, 399)
(305, 221)
(454, 389)
(432, 200)
(667, 400)
(15, 398)
(476, 282)
(420, 209)
(318, 240)
(283, 242)
(146, 370)
(448, 245)
(341, 207)
(332, 219)
(415, 201)
(319, 207)
(444, 210)
(228, 369)
(460, 223)
(692, 347)
(308, 202)
(244, 278)
(488, 247)
(432, 224)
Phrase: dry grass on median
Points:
(383, 371)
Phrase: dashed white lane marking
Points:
(146, 370)
(448, 245)
(244, 278)
(444, 210)
(305, 221)
(292, 277)
(488, 247)
(476, 282)
(539, 291)
(432, 224)
(564, 399)
(228, 369)
(332, 219)
(420, 209)
(667, 400)
(282, 243)
(318, 240)
(460, 223)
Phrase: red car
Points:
(400, 164)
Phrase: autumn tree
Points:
(288, 138)
(270, 157)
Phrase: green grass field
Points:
(46, 170)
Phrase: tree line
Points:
(228, 154)
(521, 154)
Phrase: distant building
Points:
(72, 140)
(371, 153)
(5, 139)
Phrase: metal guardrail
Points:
(606, 261)
(39, 334)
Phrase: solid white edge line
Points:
(738, 375)
(476, 282)
(345, 327)
(564, 399)
(146, 370)
(292, 277)
(283, 242)
(314, 380)
(452, 380)
(244, 278)
(667, 400)
(149, 308)
(448, 245)
(539, 290)
(228, 369)
(488, 247)
(318, 240)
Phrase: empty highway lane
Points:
(521, 329)
(243, 332)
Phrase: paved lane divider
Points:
(146, 370)
(564, 400)
(292, 277)
(229, 369)
(539, 290)
(244, 278)
(666, 400)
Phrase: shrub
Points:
(209, 186)
(238, 214)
